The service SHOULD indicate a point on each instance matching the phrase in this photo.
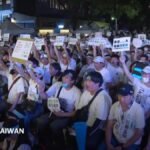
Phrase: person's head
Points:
(44, 59)
(34, 62)
(115, 60)
(89, 59)
(146, 75)
(93, 81)
(99, 62)
(39, 73)
(68, 78)
(144, 58)
(12, 70)
(125, 95)
(5, 58)
(55, 69)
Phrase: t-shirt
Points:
(99, 109)
(33, 93)
(68, 98)
(142, 94)
(125, 123)
(19, 87)
(116, 73)
(71, 65)
(47, 75)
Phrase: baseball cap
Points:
(146, 69)
(99, 59)
(94, 76)
(125, 90)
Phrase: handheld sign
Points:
(25, 36)
(59, 41)
(141, 36)
(98, 34)
(137, 43)
(73, 41)
(53, 104)
(22, 50)
(38, 43)
(121, 44)
(2, 44)
(6, 37)
(97, 41)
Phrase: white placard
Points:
(22, 50)
(141, 36)
(73, 41)
(59, 41)
(6, 37)
(121, 44)
(78, 36)
(97, 41)
(137, 43)
(53, 104)
(2, 43)
(146, 42)
(38, 43)
(0, 35)
(26, 36)
(108, 34)
(98, 34)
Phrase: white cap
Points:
(146, 69)
(99, 59)
(39, 71)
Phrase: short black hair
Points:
(115, 56)
(56, 66)
(96, 77)
(71, 72)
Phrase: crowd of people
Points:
(117, 84)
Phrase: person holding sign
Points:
(68, 94)
(65, 59)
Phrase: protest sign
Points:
(121, 44)
(2, 44)
(73, 41)
(22, 50)
(25, 36)
(141, 36)
(38, 43)
(53, 104)
(59, 41)
(97, 41)
(137, 43)
(6, 37)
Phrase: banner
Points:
(121, 44)
(22, 50)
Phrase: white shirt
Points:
(68, 98)
(71, 65)
(142, 94)
(47, 75)
(126, 122)
(99, 109)
(116, 73)
(19, 87)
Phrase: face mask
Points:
(12, 71)
(145, 79)
(65, 85)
